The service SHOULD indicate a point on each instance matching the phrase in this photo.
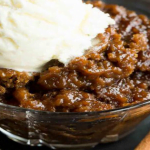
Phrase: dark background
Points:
(129, 142)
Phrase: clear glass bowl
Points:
(70, 130)
(74, 130)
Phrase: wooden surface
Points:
(145, 143)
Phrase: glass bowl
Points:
(70, 130)
(74, 130)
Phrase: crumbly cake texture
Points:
(113, 74)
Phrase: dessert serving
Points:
(77, 59)
(73, 74)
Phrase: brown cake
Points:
(114, 73)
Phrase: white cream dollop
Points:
(33, 32)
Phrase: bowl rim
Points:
(121, 109)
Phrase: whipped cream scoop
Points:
(33, 32)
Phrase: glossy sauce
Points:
(113, 74)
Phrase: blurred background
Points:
(140, 6)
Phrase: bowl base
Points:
(39, 143)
